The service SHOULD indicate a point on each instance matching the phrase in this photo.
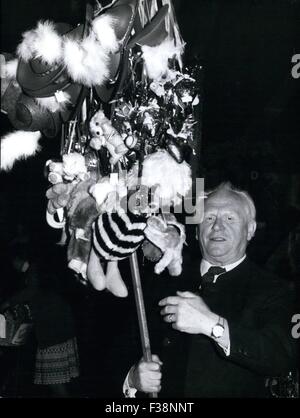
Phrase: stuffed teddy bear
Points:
(71, 168)
(104, 134)
(167, 235)
(58, 196)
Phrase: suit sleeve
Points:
(261, 339)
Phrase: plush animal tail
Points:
(18, 145)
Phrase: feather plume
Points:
(25, 49)
(18, 145)
(103, 27)
(86, 61)
(156, 57)
(43, 42)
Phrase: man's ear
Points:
(251, 230)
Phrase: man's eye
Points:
(230, 218)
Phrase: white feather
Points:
(18, 145)
(43, 42)
(174, 180)
(25, 48)
(103, 27)
(156, 57)
(52, 104)
(86, 61)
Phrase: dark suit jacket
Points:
(258, 307)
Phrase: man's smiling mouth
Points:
(217, 239)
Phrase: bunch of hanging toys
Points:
(115, 89)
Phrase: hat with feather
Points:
(124, 17)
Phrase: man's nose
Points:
(218, 224)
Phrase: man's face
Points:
(225, 229)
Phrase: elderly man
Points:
(231, 326)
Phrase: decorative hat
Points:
(124, 13)
(42, 76)
(152, 34)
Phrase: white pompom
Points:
(173, 180)
(43, 42)
(86, 61)
(18, 145)
(103, 26)
(156, 57)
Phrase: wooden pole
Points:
(140, 306)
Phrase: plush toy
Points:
(168, 236)
(80, 229)
(81, 211)
(104, 134)
(72, 167)
(58, 196)
(102, 189)
(115, 236)
(109, 192)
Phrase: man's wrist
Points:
(218, 329)
(211, 322)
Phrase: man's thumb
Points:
(186, 294)
(156, 359)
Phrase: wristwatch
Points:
(218, 329)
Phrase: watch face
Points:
(217, 331)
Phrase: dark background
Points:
(250, 125)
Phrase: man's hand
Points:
(187, 312)
(146, 376)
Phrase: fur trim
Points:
(86, 61)
(43, 42)
(18, 145)
(103, 27)
(156, 57)
(52, 104)
(173, 180)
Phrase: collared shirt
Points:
(205, 265)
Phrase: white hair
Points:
(249, 203)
